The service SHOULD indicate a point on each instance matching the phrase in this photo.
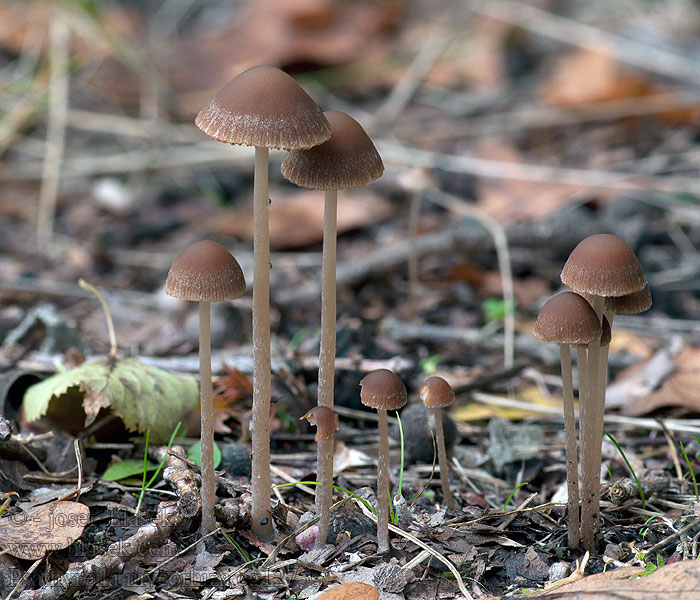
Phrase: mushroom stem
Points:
(572, 506)
(206, 396)
(383, 483)
(324, 492)
(442, 459)
(591, 422)
(260, 484)
(326, 364)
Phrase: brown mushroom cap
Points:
(567, 318)
(348, 160)
(631, 304)
(266, 108)
(437, 393)
(382, 389)
(205, 272)
(603, 265)
(325, 420)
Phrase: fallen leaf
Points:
(296, 218)
(345, 458)
(144, 397)
(678, 580)
(33, 533)
(195, 454)
(353, 590)
(680, 386)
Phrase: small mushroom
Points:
(383, 390)
(602, 265)
(205, 272)
(265, 108)
(569, 320)
(326, 422)
(437, 394)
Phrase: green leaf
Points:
(126, 468)
(195, 454)
(144, 397)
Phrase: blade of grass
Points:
(629, 466)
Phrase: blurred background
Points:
(510, 130)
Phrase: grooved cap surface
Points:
(437, 393)
(205, 272)
(348, 160)
(382, 389)
(567, 318)
(603, 265)
(266, 108)
(325, 420)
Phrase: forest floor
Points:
(510, 131)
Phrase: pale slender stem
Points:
(383, 484)
(260, 485)
(591, 443)
(326, 362)
(572, 506)
(587, 433)
(324, 492)
(206, 396)
(442, 459)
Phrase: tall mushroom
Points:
(569, 320)
(265, 108)
(383, 390)
(326, 422)
(601, 265)
(348, 160)
(205, 272)
(437, 394)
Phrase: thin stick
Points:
(260, 484)
(442, 460)
(206, 395)
(383, 484)
(324, 492)
(572, 506)
(56, 129)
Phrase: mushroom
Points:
(601, 265)
(348, 160)
(383, 390)
(437, 394)
(326, 422)
(263, 107)
(205, 272)
(569, 320)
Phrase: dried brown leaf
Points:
(353, 590)
(33, 533)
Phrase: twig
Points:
(55, 129)
(403, 91)
(542, 22)
(426, 548)
(588, 178)
(500, 242)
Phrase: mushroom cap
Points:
(266, 108)
(325, 420)
(348, 160)
(205, 272)
(437, 393)
(603, 265)
(630, 304)
(383, 390)
(567, 318)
